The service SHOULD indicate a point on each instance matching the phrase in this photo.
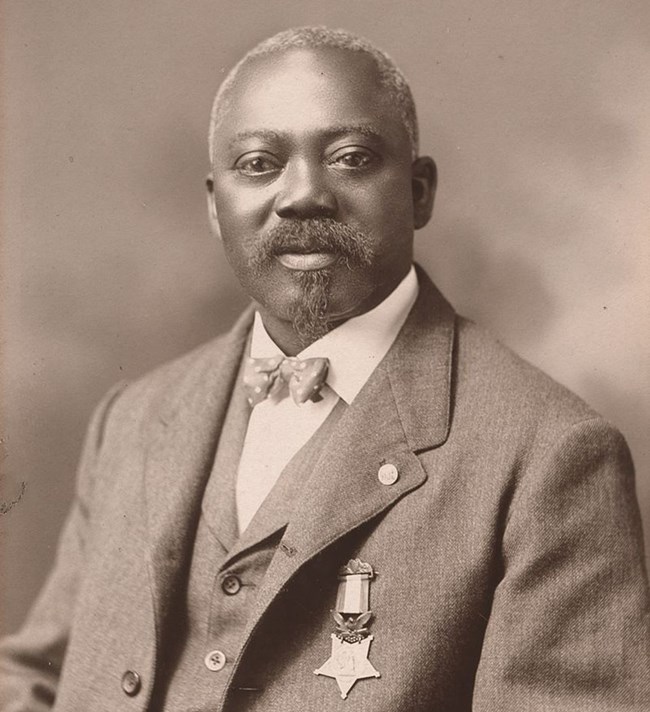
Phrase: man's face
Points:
(313, 187)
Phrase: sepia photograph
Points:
(324, 356)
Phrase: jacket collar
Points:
(420, 368)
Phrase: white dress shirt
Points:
(278, 428)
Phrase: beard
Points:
(351, 247)
(309, 314)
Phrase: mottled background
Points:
(538, 114)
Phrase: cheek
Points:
(389, 220)
(398, 196)
(386, 201)
(241, 209)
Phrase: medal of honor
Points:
(349, 661)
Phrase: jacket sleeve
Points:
(31, 660)
(569, 627)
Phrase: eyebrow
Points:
(364, 129)
(330, 133)
(265, 134)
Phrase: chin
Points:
(353, 300)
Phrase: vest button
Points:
(131, 683)
(215, 660)
(231, 585)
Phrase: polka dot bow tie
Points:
(267, 376)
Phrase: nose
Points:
(305, 192)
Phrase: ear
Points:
(424, 179)
(212, 206)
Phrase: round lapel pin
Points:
(388, 474)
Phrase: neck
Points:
(284, 334)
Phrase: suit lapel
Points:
(179, 458)
(403, 409)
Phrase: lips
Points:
(307, 261)
(310, 245)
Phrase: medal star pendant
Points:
(348, 663)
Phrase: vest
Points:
(226, 569)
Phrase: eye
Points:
(257, 164)
(353, 158)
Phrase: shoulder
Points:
(526, 442)
(171, 374)
(507, 398)
(483, 362)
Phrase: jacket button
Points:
(131, 683)
(388, 474)
(231, 585)
(215, 660)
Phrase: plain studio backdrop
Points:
(537, 113)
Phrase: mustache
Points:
(352, 246)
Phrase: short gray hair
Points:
(390, 76)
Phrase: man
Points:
(406, 517)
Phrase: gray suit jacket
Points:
(509, 557)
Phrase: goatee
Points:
(309, 314)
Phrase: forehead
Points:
(302, 91)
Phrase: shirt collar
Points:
(356, 347)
